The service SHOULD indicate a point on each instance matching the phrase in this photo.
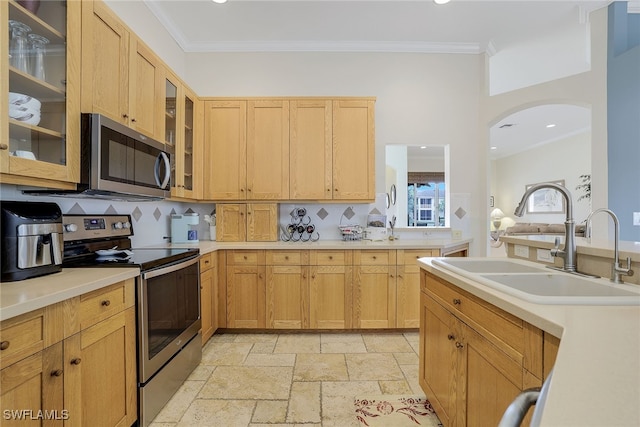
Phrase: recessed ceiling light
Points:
(494, 148)
(423, 147)
(219, 1)
(551, 125)
(441, 1)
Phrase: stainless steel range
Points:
(167, 301)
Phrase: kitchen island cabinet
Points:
(474, 357)
(75, 359)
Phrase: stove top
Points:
(86, 234)
(144, 258)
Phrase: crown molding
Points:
(331, 46)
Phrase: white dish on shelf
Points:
(22, 100)
(24, 154)
(24, 115)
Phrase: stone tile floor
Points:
(301, 379)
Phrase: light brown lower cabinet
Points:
(208, 295)
(330, 293)
(408, 286)
(474, 357)
(374, 289)
(246, 289)
(76, 362)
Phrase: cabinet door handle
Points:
(56, 373)
(105, 303)
(133, 120)
(125, 116)
(456, 301)
(4, 345)
(459, 344)
(451, 337)
(76, 361)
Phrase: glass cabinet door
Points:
(170, 122)
(188, 143)
(37, 82)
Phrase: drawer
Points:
(322, 257)
(103, 303)
(287, 257)
(409, 256)
(371, 257)
(206, 261)
(480, 315)
(245, 258)
(29, 333)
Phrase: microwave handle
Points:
(167, 170)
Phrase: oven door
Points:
(168, 313)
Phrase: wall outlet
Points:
(636, 218)
(521, 251)
(544, 255)
(456, 234)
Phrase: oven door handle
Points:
(169, 269)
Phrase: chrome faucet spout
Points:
(568, 254)
(616, 271)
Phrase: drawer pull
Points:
(245, 257)
(374, 257)
(450, 337)
(459, 344)
(330, 256)
(4, 345)
(76, 361)
(456, 301)
(56, 373)
(286, 257)
(105, 303)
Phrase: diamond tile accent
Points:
(173, 212)
(322, 213)
(375, 211)
(157, 214)
(111, 211)
(136, 214)
(349, 213)
(460, 213)
(76, 209)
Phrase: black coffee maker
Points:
(32, 239)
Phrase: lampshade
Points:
(496, 218)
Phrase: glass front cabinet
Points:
(181, 134)
(40, 112)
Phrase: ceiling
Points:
(461, 26)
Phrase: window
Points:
(426, 204)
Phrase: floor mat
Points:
(395, 411)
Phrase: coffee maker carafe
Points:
(184, 227)
(32, 240)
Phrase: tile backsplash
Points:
(152, 225)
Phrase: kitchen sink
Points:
(562, 288)
(488, 265)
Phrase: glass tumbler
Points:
(18, 45)
(38, 45)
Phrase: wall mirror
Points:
(420, 176)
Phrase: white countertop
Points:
(210, 246)
(600, 248)
(26, 295)
(596, 379)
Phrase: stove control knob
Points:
(126, 224)
(117, 225)
(70, 228)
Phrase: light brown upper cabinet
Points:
(54, 139)
(121, 77)
(183, 133)
(311, 154)
(353, 150)
(251, 222)
(295, 149)
(246, 150)
(225, 150)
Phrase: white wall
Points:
(565, 159)
(422, 99)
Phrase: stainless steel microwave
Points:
(119, 163)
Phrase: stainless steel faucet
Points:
(616, 271)
(569, 251)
